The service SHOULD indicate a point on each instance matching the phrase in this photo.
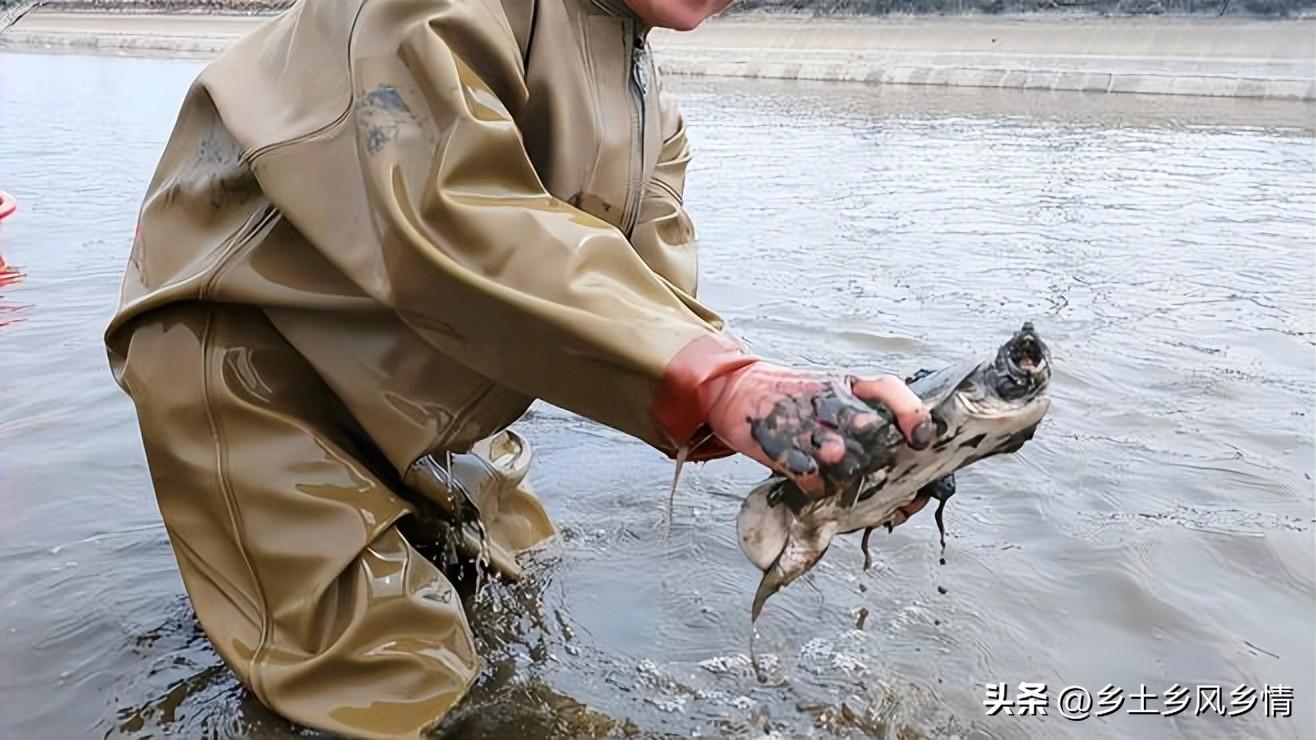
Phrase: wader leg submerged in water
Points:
(285, 524)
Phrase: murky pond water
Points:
(1158, 531)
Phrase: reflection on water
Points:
(1157, 530)
(185, 688)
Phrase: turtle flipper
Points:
(863, 544)
(941, 489)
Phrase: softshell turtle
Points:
(980, 409)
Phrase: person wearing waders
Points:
(379, 230)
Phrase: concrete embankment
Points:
(1184, 56)
(202, 34)
(1230, 57)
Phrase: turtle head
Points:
(1022, 367)
(1001, 402)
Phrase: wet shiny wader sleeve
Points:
(461, 239)
(664, 235)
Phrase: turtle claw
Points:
(863, 544)
(941, 489)
(918, 376)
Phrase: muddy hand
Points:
(819, 430)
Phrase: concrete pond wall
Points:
(1185, 56)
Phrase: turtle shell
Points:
(935, 387)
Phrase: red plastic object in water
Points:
(7, 204)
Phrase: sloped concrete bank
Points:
(1231, 57)
(1182, 56)
(123, 32)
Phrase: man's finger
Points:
(830, 448)
(798, 462)
(911, 415)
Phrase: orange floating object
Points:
(7, 204)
